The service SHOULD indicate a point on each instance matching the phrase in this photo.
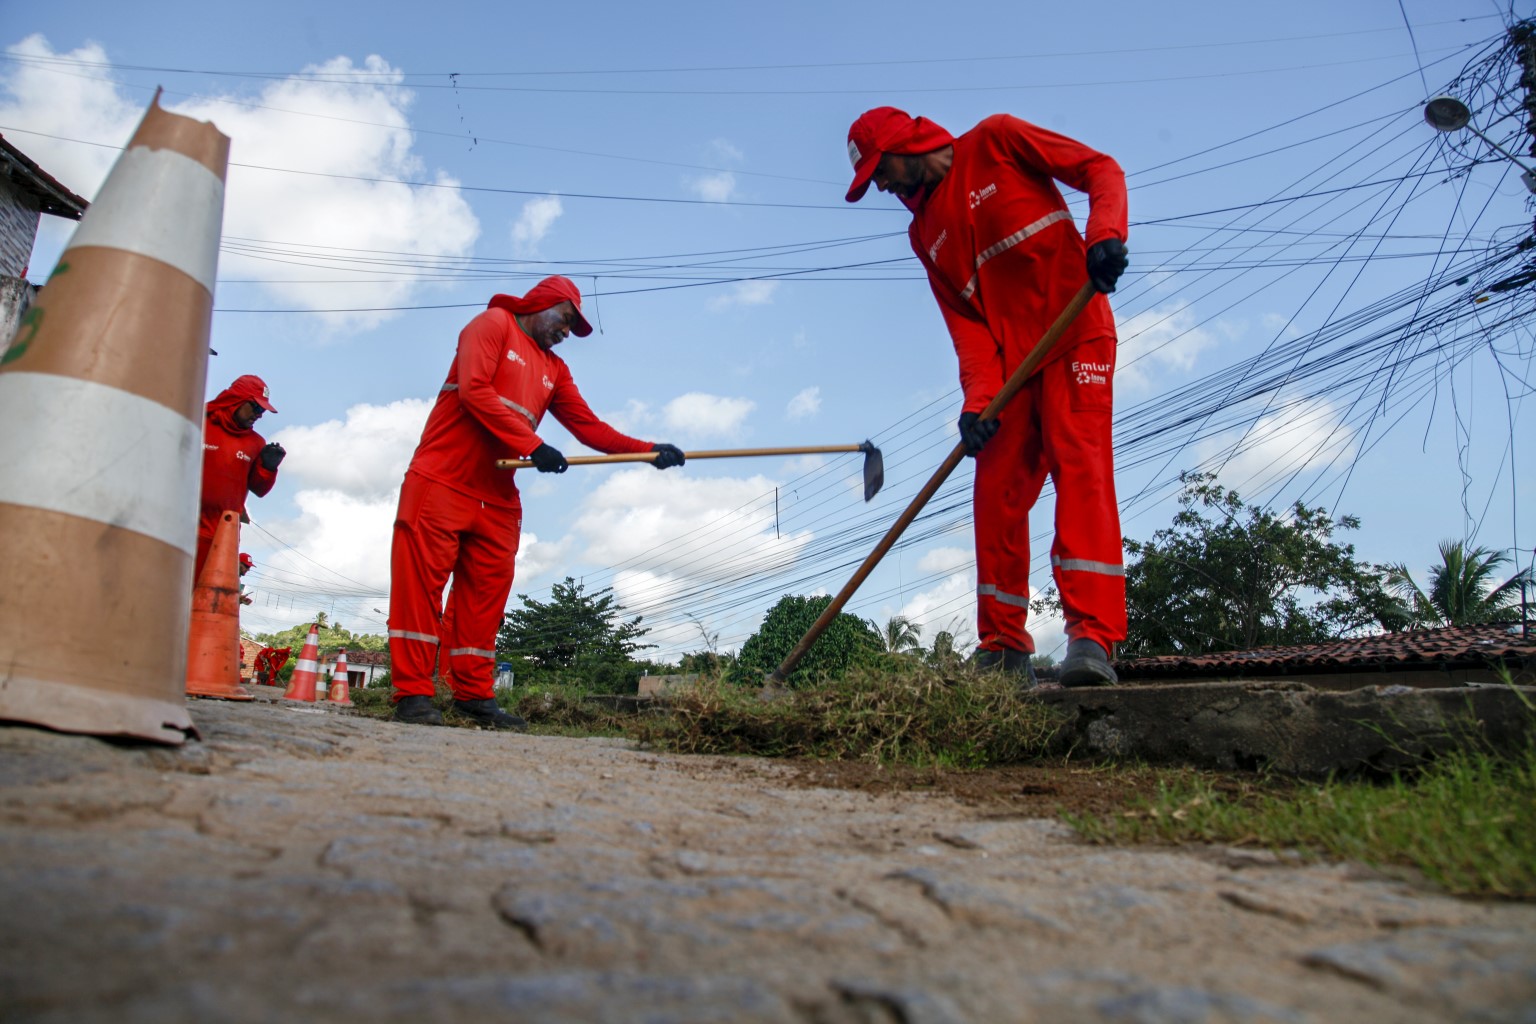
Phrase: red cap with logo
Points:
(888, 130)
(246, 562)
(549, 292)
(251, 388)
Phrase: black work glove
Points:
(975, 431)
(547, 459)
(1106, 262)
(667, 456)
(272, 455)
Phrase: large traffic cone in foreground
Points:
(101, 411)
(301, 685)
(213, 654)
(340, 693)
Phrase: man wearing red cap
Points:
(459, 514)
(1003, 259)
(236, 459)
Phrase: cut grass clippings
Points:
(1466, 821)
(918, 718)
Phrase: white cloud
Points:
(713, 188)
(745, 293)
(1298, 436)
(725, 152)
(538, 216)
(365, 456)
(700, 415)
(1160, 339)
(348, 534)
(329, 127)
(806, 403)
(677, 531)
(947, 560)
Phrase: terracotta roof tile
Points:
(1450, 647)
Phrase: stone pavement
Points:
(306, 865)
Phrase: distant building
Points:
(26, 193)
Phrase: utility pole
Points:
(1523, 38)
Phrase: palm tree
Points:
(1461, 590)
(901, 634)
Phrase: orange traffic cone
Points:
(101, 411)
(301, 685)
(340, 693)
(213, 656)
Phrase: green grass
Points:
(1466, 821)
(920, 718)
(549, 710)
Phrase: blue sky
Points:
(395, 165)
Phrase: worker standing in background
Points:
(236, 459)
(462, 515)
(1004, 259)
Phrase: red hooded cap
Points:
(250, 388)
(888, 130)
(549, 292)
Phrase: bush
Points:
(917, 718)
(847, 642)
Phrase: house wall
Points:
(19, 217)
(1419, 679)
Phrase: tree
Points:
(1231, 576)
(846, 642)
(901, 634)
(332, 638)
(572, 625)
(943, 653)
(1461, 588)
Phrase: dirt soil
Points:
(302, 864)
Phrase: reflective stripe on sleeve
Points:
(1008, 243)
(161, 204)
(405, 634)
(519, 409)
(1001, 596)
(470, 652)
(504, 401)
(94, 451)
(1084, 565)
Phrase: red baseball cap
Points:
(549, 292)
(245, 561)
(888, 130)
(253, 389)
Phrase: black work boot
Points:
(417, 710)
(1086, 664)
(489, 714)
(1008, 660)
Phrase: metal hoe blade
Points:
(874, 470)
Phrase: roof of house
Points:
(1447, 648)
(56, 199)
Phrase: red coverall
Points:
(1004, 258)
(230, 469)
(459, 514)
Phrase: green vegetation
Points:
(1461, 588)
(917, 717)
(1467, 821)
(332, 638)
(848, 641)
(572, 626)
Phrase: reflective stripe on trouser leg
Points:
(426, 543)
(1009, 474)
(482, 580)
(1087, 560)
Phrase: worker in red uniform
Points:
(236, 459)
(459, 514)
(1004, 259)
